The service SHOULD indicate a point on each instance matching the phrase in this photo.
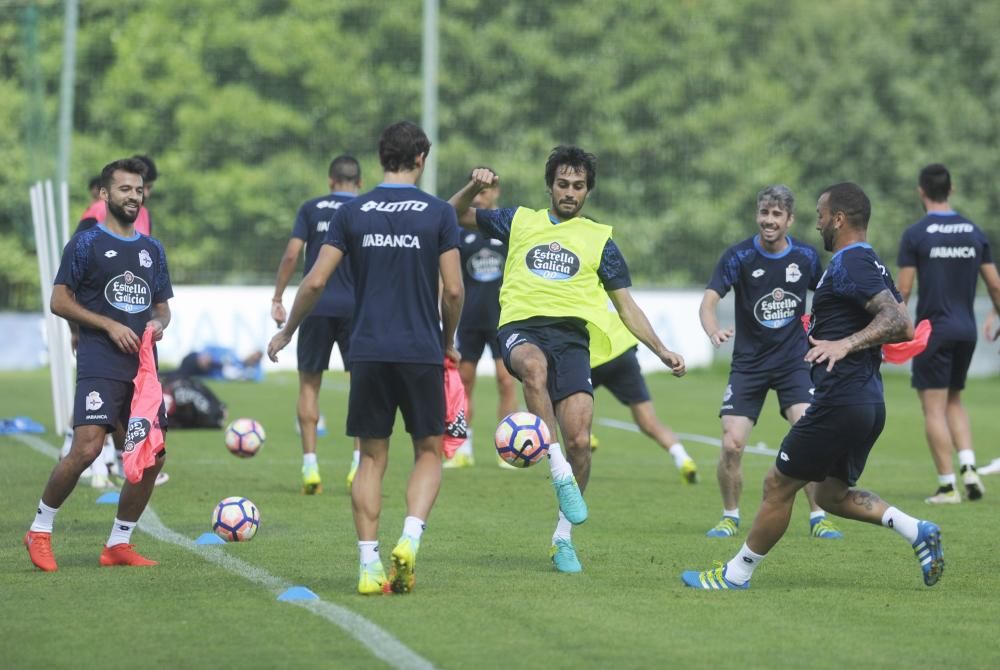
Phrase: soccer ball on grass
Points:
(244, 437)
(235, 519)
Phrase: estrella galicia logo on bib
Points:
(552, 261)
(128, 293)
(137, 431)
(776, 309)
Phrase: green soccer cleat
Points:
(563, 556)
(689, 471)
(728, 527)
(927, 548)
(712, 580)
(824, 529)
(311, 484)
(404, 558)
(571, 501)
(371, 579)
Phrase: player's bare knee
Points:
(732, 449)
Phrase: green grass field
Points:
(486, 594)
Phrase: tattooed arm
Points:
(890, 323)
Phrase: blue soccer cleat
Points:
(711, 580)
(563, 556)
(728, 527)
(927, 548)
(571, 502)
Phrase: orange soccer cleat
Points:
(124, 554)
(40, 550)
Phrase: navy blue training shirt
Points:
(855, 276)
(311, 224)
(393, 237)
(947, 251)
(483, 261)
(117, 277)
(770, 301)
(612, 271)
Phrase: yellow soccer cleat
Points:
(689, 471)
(459, 460)
(404, 557)
(594, 442)
(311, 484)
(371, 579)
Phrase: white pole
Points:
(40, 221)
(430, 90)
(64, 345)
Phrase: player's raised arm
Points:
(635, 320)
(307, 295)
(480, 179)
(707, 313)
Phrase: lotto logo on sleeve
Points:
(552, 261)
(128, 293)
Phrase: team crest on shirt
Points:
(145, 260)
(777, 309)
(93, 401)
(552, 261)
(792, 273)
(129, 293)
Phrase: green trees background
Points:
(691, 106)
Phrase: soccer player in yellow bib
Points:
(561, 269)
(619, 372)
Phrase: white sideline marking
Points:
(380, 642)
(759, 448)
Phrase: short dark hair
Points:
(133, 165)
(151, 172)
(345, 168)
(400, 144)
(849, 198)
(95, 182)
(935, 180)
(777, 194)
(573, 157)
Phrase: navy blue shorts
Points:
(623, 377)
(471, 342)
(567, 352)
(747, 391)
(944, 364)
(379, 389)
(317, 335)
(106, 402)
(831, 441)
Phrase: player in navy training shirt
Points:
(330, 320)
(856, 309)
(114, 284)
(946, 252)
(770, 273)
(483, 259)
(398, 241)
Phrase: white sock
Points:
(121, 532)
(819, 514)
(740, 568)
(679, 453)
(368, 552)
(45, 517)
(902, 523)
(466, 447)
(558, 464)
(309, 459)
(356, 457)
(966, 457)
(735, 513)
(564, 529)
(946, 480)
(414, 527)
